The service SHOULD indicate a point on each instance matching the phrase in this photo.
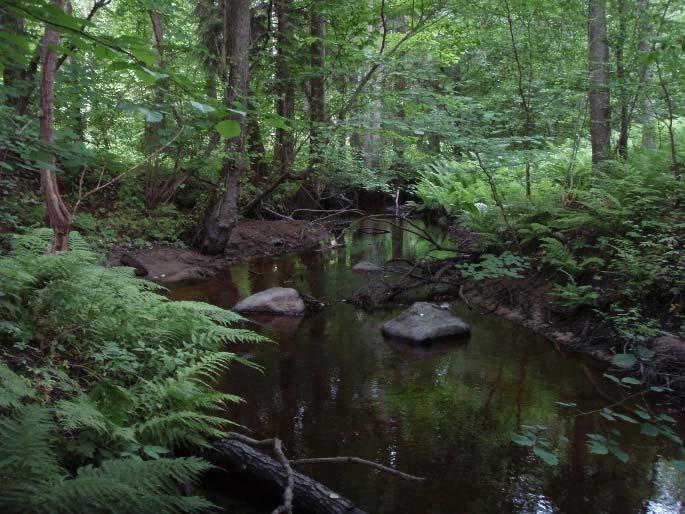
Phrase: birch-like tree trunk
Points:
(598, 63)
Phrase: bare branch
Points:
(357, 460)
(287, 507)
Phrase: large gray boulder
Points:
(424, 322)
(283, 301)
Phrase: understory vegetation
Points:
(103, 384)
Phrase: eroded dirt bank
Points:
(250, 238)
(528, 302)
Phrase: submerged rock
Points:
(366, 267)
(283, 301)
(132, 261)
(424, 322)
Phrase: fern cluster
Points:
(101, 380)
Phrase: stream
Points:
(332, 386)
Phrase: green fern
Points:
(124, 375)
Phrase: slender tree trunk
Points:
(598, 63)
(668, 99)
(624, 100)
(57, 212)
(648, 116)
(524, 98)
(222, 213)
(13, 73)
(317, 88)
(284, 148)
(153, 179)
(256, 149)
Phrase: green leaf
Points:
(631, 381)
(649, 429)
(625, 418)
(642, 413)
(598, 448)
(624, 360)
(667, 418)
(522, 440)
(144, 55)
(150, 116)
(619, 454)
(203, 108)
(276, 122)
(547, 457)
(645, 353)
(155, 74)
(154, 452)
(612, 378)
(678, 465)
(564, 404)
(228, 128)
(607, 414)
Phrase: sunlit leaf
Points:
(547, 457)
(228, 128)
(522, 440)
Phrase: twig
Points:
(463, 297)
(357, 460)
(287, 506)
(100, 186)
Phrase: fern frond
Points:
(131, 486)
(13, 388)
(80, 413)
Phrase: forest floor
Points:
(249, 239)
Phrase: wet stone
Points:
(423, 322)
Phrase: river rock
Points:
(366, 267)
(283, 301)
(424, 322)
(132, 261)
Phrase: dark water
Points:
(332, 386)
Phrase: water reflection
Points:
(333, 386)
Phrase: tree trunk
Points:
(648, 116)
(598, 64)
(524, 98)
(246, 463)
(222, 213)
(57, 212)
(371, 139)
(13, 74)
(284, 147)
(152, 179)
(317, 88)
(624, 100)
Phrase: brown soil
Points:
(529, 303)
(250, 238)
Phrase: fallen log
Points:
(243, 462)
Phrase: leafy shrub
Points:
(574, 295)
(506, 265)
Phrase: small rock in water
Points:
(284, 301)
(366, 267)
(424, 322)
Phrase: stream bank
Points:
(249, 239)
